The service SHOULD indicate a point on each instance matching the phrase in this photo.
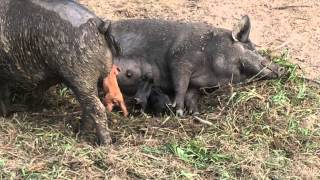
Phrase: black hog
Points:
(158, 102)
(142, 95)
(150, 98)
(45, 42)
(187, 56)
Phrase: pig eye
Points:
(129, 74)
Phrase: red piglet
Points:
(113, 93)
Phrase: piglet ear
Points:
(241, 30)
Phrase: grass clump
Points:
(196, 153)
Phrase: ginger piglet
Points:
(113, 93)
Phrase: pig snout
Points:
(137, 100)
(272, 70)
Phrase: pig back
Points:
(39, 39)
(159, 42)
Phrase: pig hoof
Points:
(174, 104)
(179, 112)
(137, 101)
(3, 109)
(196, 113)
(104, 141)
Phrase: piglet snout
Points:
(137, 100)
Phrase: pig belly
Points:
(24, 75)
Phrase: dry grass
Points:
(266, 130)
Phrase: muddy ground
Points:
(277, 24)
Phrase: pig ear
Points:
(241, 30)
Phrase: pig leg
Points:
(93, 111)
(6, 107)
(4, 99)
(191, 101)
(181, 79)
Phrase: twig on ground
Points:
(310, 80)
(280, 46)
(15, 155)
(203, 121)
(165, 120)
(151, 156)
(288, 7)
(56, 115)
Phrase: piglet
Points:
(113, 93)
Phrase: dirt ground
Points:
(265, 130)
(276, 24)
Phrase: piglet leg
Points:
(123, 108)
(113, 93)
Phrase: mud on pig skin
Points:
(185, 57)
(44, 42)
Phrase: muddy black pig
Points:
(45, 42)
(187, 56)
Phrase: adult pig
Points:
(187, 56)
(45, 42)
